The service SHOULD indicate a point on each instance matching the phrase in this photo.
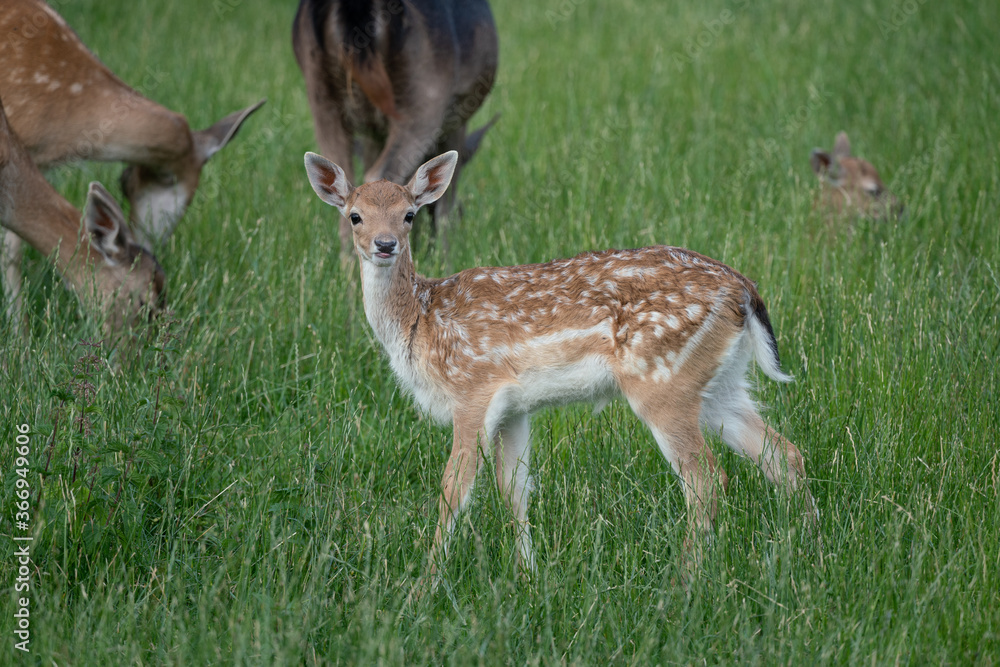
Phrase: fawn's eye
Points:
(355, 219)
(408, 218)
(874, 191)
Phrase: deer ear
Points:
(842, 146)
(329, 181)
(473, 140)
(432, 179)
(211, 140)
(105, 223)
(826, 166)
(820, 161)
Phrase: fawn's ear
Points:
(329, 181)
(105, 223)
(825, 166)
(842, 146)
(432, 179)
(820, 161)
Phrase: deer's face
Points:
(852, 186)
(128, 275)
(140, 292)
(381, 213)
(381, 216)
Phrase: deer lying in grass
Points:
(404, 76)
(672, 331)
(65, 105)
(101, 262)
(850, 186)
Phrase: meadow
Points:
(246, 485)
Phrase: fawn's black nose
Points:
(385, 245)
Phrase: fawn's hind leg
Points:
(733, 414)
(513, 452)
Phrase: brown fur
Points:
(850, 186)
(66, 105)
(100, 261)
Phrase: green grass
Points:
(251, 487)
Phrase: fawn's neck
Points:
(391, 304)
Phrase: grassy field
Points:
(252, 488)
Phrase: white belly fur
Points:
(586, 381)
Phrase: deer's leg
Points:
(441, 211)
(674, 423)
(410, 140)
(747, 434)
(456, 483)
(370, 148)
(10, 260)
(513, 452)
(732, 413)
(335, 142)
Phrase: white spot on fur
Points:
(663, 372)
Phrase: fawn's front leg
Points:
(456, 483)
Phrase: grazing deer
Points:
(65, 105)
(403, 75)
(851, 186)
(672, 331)
(102, 262)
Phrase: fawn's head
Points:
(850, 185)
(381, 213)
(128, 274)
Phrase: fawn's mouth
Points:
(382, 258)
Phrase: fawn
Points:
(850, 185)
(671, 330)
